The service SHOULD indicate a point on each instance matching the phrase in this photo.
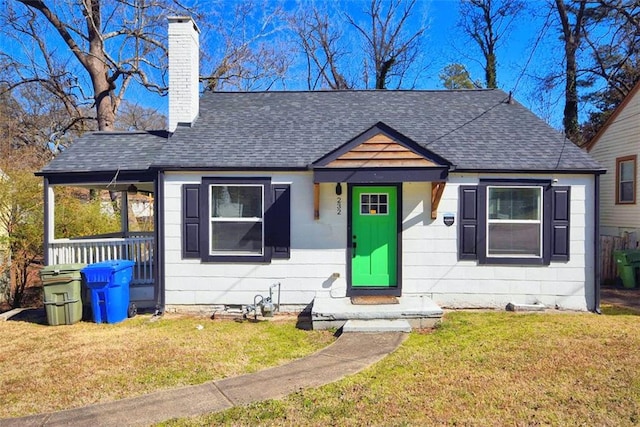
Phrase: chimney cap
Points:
(181, 19)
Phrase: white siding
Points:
(431, 266)
(429, 259)
(317, 250)
(621, 138)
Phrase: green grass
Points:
(480, 368)
(47, 368)
(615, 310)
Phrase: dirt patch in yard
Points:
(622, 297)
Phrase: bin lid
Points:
(633, 255)
(113, 265)
(56, 269)
(627, 256)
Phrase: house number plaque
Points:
(338, 205)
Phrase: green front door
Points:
(374, 234)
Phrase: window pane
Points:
(626, 192)
(626, 170)
(514, 239)
(236, 237)
(374, 204)
(236, 201)
(514, 203)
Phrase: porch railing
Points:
(87, 251)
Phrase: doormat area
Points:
(374, 300)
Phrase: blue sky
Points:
(521, 56)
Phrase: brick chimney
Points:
(184, 69)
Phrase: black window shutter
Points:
(191, 221)
(560, 214)
(278, 222)
(468, 222)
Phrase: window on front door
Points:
(374, 204)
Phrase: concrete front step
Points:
(383, 325)
(417, 310)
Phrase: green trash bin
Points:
(62, 286)
(628, 262)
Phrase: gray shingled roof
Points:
(109, 151)
(473, 129)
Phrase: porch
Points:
(137, 247)
(128, 214)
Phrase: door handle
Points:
(354, 245)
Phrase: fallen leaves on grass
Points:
(47, 368)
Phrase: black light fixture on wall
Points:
(338, 189)
(132, 189)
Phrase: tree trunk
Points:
(570, 120)
(102, 95)
(98, 69)
(571, 37)
(94, 61)
(491, 40)
(490, 71)
(382, 71)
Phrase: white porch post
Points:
(49, 220)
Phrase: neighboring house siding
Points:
(620, 139)
(430, 260)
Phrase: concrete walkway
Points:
(350, 353)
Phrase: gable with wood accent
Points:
(380, 151)
(381, 155)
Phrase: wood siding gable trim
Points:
(380, 146)
(380, 151)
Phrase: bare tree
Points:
(323, 47)
(393, 45)
(249, 51)
(112, 43)
(615, 49)
(133, 116)
(572, 34)
(600, 42)
(487, 22)
(615, 58)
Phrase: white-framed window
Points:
(514, 221)
(374, 204)
(236, 219)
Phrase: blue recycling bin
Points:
(109, 283)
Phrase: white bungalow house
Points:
(616, 147)
(455, 198)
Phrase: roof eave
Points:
(591, 171)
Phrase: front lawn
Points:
(47, 368)
(481, 368)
